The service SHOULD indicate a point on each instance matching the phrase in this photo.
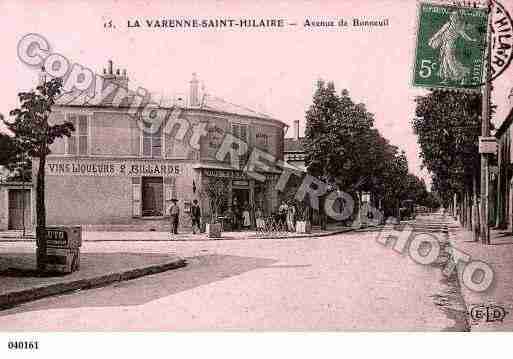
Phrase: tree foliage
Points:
(32, 132)
(345, 150)
(14, 159)
(33, 135)
(448, 125)
(8, 150)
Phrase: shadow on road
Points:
(201, 270)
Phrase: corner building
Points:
(111, 175)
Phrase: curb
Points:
(457, 269)
(345, 230)
(12, 299)
(340, 231)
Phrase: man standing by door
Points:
(195, 217)
(174, 212)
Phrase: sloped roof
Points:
(208, 103)
(217, 104)
(293, 145)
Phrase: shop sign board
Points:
(112, 168)
(235, 175)
(487, 145)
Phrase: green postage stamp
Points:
(450, 47)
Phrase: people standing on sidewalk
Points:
(282, 213)
(259, 219)
(174, 212)
(195, 217)
(236, 215)
(291, 217)
(246, 219)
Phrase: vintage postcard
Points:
(171, 166)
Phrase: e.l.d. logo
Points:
(488, 313)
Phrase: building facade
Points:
(117, 173)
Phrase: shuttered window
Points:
(78, 142)
(136, 197)
(241, 132)
(169, 192)
(152, 141)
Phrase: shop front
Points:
(243, 193)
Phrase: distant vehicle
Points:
(421, 209)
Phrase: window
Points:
(215, 136)
(78, 142)
(152, 141)
(262, 140)
(241, 132)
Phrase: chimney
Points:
(193, 95)
(117, 76)
(296, 130)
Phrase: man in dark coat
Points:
(195, 216)
(174, 212)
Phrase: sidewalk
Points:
(108, 236)
(20, 282)
(499, 256)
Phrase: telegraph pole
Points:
(485, 132)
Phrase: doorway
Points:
(152, 196)
(240, 197)
(240, 201)
(19, 209)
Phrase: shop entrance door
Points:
(240, 197)
(19, 209)
(152, 196)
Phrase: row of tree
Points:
(448, 125)
(344, 149)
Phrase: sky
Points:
(270, 70)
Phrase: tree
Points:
(33, 135)
(338, 137)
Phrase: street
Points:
(342, 282)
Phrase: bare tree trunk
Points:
(41, 214)
(476, 215)
(468, 210)
(471, 210)
(463, 209)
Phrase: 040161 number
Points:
(23, 345)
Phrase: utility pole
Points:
(23, 195)
(485, 132)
